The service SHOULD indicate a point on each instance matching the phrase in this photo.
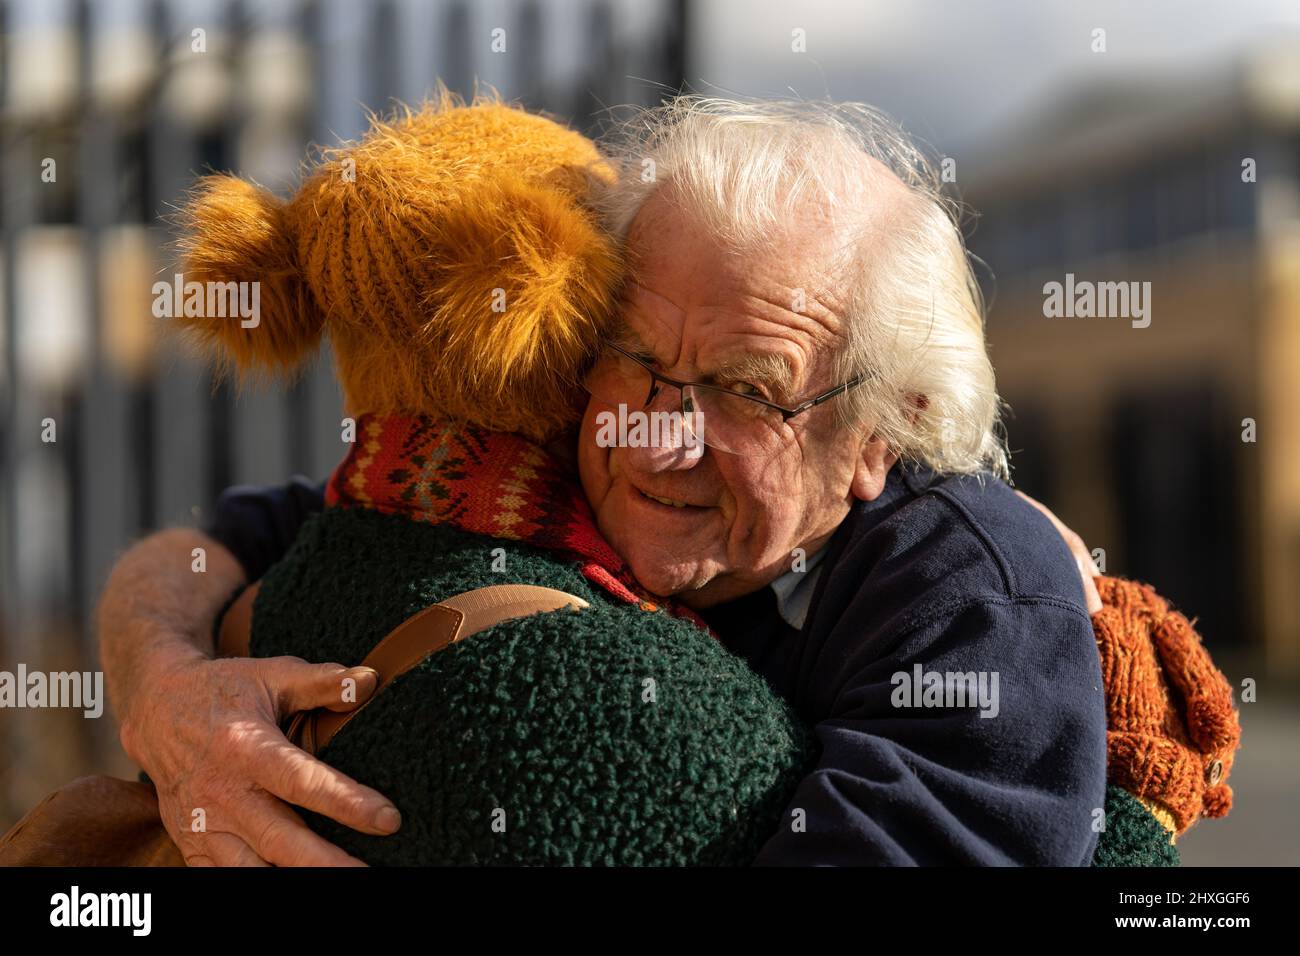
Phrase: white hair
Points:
(912, 306)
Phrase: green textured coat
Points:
(607, 735)
(603, 736)
(1133, 837)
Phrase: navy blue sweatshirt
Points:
(947, 664)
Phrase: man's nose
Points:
(670, 445)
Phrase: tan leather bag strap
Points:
(419, 636)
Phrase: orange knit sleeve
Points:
(1172, 730)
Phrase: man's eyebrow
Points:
(629, 341)
(775, 371)
(764, 367)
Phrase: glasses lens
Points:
(615, 380)
(731, 422)
(720, 419)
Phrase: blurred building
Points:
(1142, 436)
(108, 112)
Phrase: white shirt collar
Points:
(794, 590)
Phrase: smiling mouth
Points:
(665, 501)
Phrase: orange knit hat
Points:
(451, 255)
(1172, 731)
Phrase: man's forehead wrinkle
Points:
(831, 302)
(698, 338)
(661, 338)
(813, 320)
(638, 289)
(777, 275)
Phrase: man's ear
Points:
(873, 464)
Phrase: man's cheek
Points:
(767, 516)
(769, 489)
(593, 463)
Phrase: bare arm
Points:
(156, 611)
(207, 730)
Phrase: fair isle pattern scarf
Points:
(482, 482)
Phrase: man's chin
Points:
(674, 581)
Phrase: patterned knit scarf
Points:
(481, 482)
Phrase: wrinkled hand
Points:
(1082, 556)
(207, 733)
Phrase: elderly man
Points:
(799, 287)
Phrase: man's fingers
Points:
(1072, 540)
(1090, 593)
(1082, 556)
(297, 685)
(221, 849)
(300, 779)
(280, 837)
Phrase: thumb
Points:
(1087, 572)
(297, 685)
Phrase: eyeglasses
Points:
(718, 417)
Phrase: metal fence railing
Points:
(108, 111)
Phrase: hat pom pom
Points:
(1217, 801)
